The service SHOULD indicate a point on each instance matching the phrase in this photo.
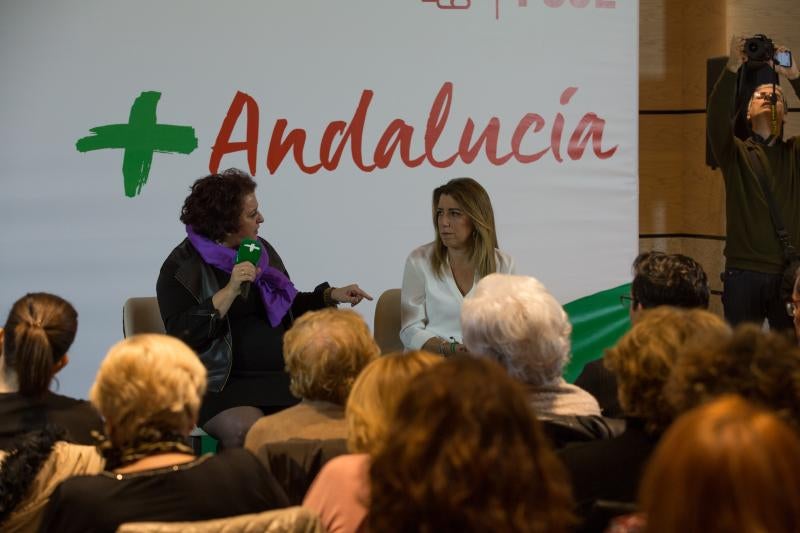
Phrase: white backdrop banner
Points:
(348, 113)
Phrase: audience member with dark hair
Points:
(516, 322)
(464, 452)
(658, 279)
(726, 466)
(341, 491)
(149, 389)
(642, 361)
(38, 333)
(668, 279)
(237, 333)
(439, 274)
(36, 463)
(763, 367)
(324, 351)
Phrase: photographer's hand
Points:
(736, 56)
(791, 73)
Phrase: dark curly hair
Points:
(28, 452)
(214, 205)
(762, 367)
(669, 279)
(464, 452)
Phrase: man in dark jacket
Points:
(754, 258)
(658, 279)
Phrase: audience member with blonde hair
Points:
(438, 275)
(761, 366)
(725, 466)
(340, 492)
(515, 321)
(642, 361)
(464, 452)
(38, 333)
(324, 352)
(148, 390)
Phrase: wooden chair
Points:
(386, 327)
(141, 315)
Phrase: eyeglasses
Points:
(792, 307)
(765, 95)
(626, 301)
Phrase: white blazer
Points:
(430, 306)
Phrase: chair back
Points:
(296, 462)
(288, 520)
(141, 315)
(387, 321)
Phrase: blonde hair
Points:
(324, 352)
(375, 396)
(474, 201)
(148, 382)
(644, 358)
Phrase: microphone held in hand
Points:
(249, 252)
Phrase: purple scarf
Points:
(277, 292)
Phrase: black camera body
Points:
(759, 48)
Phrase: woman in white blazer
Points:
(438, 275)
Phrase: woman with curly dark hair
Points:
(464, 452)
(204, 297)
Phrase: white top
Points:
(430, 306)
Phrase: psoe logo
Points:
(458, 5)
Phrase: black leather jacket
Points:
(199, 325)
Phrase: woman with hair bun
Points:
(38, 332)
(438, 275)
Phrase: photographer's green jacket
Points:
(751, 242)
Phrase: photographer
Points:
(753, 253)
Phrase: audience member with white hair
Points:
(517, 322)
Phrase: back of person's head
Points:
(645, 356)
(763, 367)
(464, 452)
(148, 389)
(669, 279)
(38, 332)
(725, 466)
(517, 322)
(325, 351)
(375, 396)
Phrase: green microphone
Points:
(249, 252)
